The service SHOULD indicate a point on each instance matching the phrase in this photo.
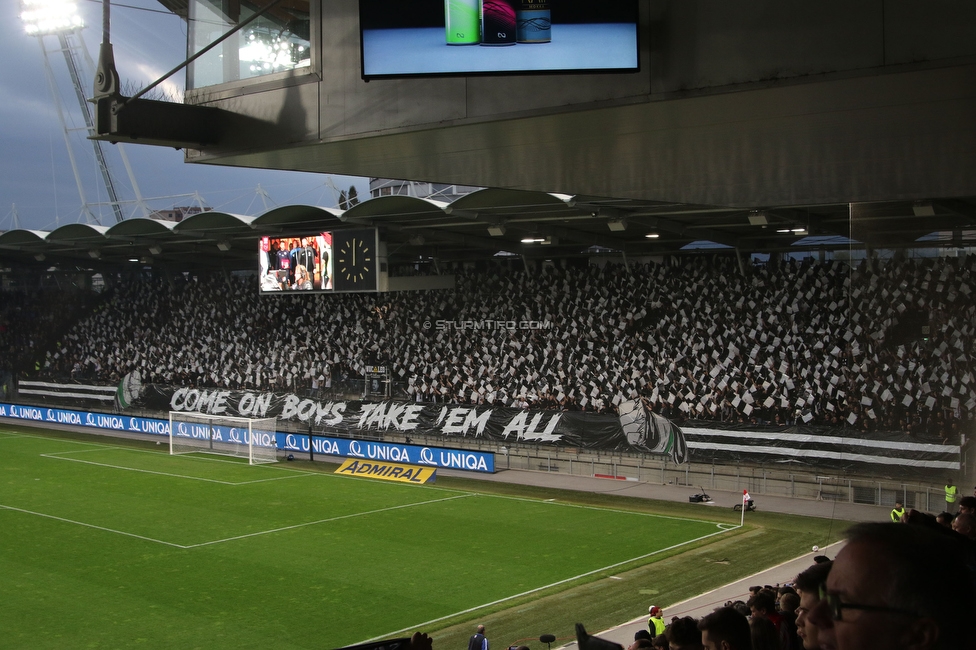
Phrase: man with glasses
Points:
(895, 587)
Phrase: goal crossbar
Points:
(250, 438)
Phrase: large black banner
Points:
(636, 429)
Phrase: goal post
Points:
(250, 438)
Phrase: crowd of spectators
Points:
(892, 586)
(883, 346)
(32, 320)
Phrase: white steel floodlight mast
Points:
(60, 18)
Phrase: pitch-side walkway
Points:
(705, 603)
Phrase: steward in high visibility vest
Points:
(950, 494)
(898, 512)
(655, 624)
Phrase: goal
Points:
(253, 439)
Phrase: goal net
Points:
(253, 439)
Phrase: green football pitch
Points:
(111, 545)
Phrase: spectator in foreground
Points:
(788, 638)
(764, 634)
(683, 634)
(808, 584)
(763, 605)
(896, 587)
(725, 629)
(965, 524)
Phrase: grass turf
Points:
(112, 545)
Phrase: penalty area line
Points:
(325, 521)
(421, 626)
(58, 456)
(86, 525)
(135, 469)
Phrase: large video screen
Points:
(341, 260)
(464, 37)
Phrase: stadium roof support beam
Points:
(570, 234)
(813, 223)
(486, 243)
(682, 230)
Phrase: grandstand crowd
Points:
(784, 343)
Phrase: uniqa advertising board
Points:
(473, 461)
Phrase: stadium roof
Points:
(486, 222)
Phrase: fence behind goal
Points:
(253, 439)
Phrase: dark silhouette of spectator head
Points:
(945, 519)
(725, 629)
(965, 524)
(898, 587)
(762, 604)
(917, 518)
(764, 634)
(968, 505)
(788, 602)
(642, 634)
(683, 634)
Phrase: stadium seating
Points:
(888, 347)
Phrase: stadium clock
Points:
(355, 260)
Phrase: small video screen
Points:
(295, 263)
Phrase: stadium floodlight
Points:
(251, 438)
(44, 17)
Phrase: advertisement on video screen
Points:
(464, 37)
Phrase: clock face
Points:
(355, 260)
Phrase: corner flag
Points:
(745, 496)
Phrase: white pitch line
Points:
(55, 456)
(81, 523)
(564, 504)
(323, 521)
(50, 439)
(421, 626)
(144, 471)
(228, 539)
(201, 459)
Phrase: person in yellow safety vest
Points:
(898, 512)
(655, 624)
(950, 494)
